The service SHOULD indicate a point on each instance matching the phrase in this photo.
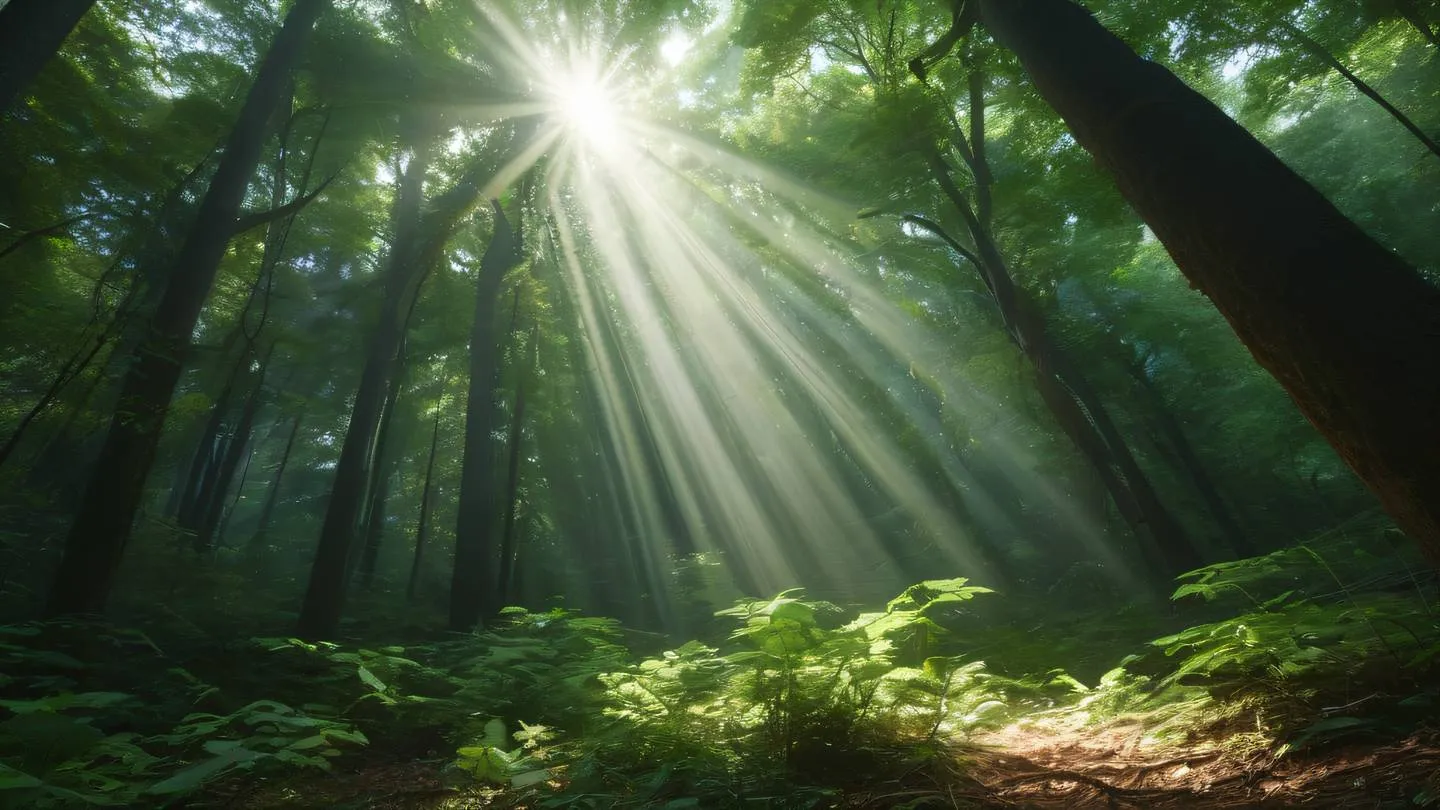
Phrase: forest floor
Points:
(1022, 766)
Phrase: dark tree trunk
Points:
(235, 501)
(31, 31)
(200, 483)
(512, 488)
(267, 512)
(1349, 329)
(422, 528)
(472, 583)
(97, 539)
(212, 508)
(418, 244)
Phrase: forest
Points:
(675, 404)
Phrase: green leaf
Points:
(370, 680)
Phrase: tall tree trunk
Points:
(382, 469)
(1349, 329)
(98, 537)
(267, 512)
(31, 31)
(229, 510)
(418, 243)
(200, 482)
(472, 582)
(512, 488)
(213, 507)
(422, 528)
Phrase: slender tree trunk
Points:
(200, 483)
(267, 512)
(418, 244)
(212, 507)
(422, 528)
(31, 31)
(512, 488)
(1071, 399)
(382, 466)
(1323, 54)
(235, 501)
(1349, 329)
(472, 582)
(98, 537)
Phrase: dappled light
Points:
(718, 404)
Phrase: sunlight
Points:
(587, 107)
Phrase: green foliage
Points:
(796, 698)
(60, 747)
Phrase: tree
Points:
(31, 31)
(473, 582)
(1349, 329)
(97, 538)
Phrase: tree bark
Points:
(422, 529)
(31, 32)
(98, 537)
(382, 470)
(472, 582)
(1349, 329)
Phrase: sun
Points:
(588, 108)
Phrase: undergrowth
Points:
(800, 703)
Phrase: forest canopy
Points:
(710, 403)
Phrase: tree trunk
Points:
(200, 482)
(31, 31)
(213, 507)
(1349, 329)
(472, 582)
(422, 529)
(418, 243)
(512, 489)
(382, 469)
(267, 512)
(1070, 398)
(97, 539)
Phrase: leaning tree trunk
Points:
(31, 31)
(97, 539)
(1349, 329)
(472, 582)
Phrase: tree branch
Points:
(255, 219)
